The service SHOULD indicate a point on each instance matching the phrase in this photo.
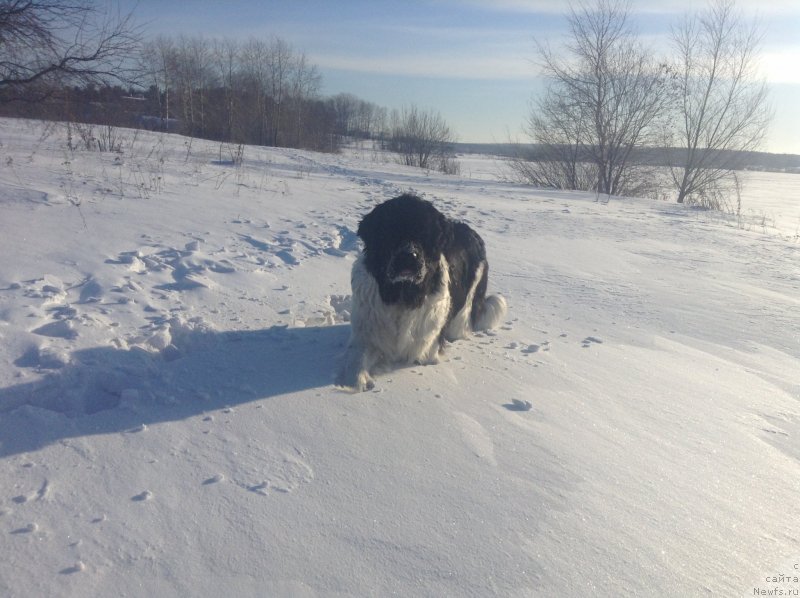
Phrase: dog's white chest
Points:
(397, 332)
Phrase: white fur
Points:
(494, 310)
(460, 326)
(390, 334)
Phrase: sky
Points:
(474, 61)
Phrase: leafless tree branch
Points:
(723, 108)
(423, 139)
(605, 98)
(44, 43)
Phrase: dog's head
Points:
(403, 239)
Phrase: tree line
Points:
(73, 62)
(261, 92)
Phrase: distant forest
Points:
(308, 123)
(649, 156)
(254, 92)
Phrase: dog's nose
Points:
(406, 263)
(409, 249)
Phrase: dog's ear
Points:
(368, 229)
(441, 232)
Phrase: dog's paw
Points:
(359, 383)
(427, 360)
(433, 357)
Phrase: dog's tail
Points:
(489, 313)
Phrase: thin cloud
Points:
(640, 6)
(473, 33)
(474, 67)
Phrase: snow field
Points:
(171, 323)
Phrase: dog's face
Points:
(403, 241)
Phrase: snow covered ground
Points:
(773, 198)
(170, 324)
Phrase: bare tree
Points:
(157, 60)
(423, 139)
(280, 66)
(192, 75)
(226, 56)
(305, 86)
(344, 106)
(278, 85)
(44, 43)
(559, 159)
(723, 108)
(254, 60)
(356, 117)
(604, 99)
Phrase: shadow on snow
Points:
(105, 389)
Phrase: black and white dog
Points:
(421, 280)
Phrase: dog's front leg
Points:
(432, 355)
(355, 370)
(429, 357)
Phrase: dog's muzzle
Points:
(407, 264)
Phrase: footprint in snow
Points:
(589, 340)
(45, 357)
(529, 348)
(284, 476)
(142, 496)
(517, 405)
(533, 348)
(286, 257)
(215, 479)
(40, 494)
(260, 488)
(28, 529)
(91, 292)
(76, 568)
(49, 288)
(59, 329)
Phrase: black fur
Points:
(399, 228)
(465, 254)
